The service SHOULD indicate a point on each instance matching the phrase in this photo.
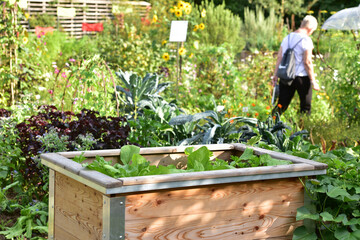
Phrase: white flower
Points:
(245, 109)
(244, 87)
(37, 97)
(336, 73)
(321, 68)
(42, 88)
(219, 108)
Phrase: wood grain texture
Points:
(60, 234)
(78, 210)
(254, 210)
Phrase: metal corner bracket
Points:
(113, 218)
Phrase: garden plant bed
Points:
(246, 203)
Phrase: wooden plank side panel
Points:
(252, 210)
(78, 210)
(60, 233)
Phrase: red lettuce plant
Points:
(109, 132)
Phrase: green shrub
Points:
(261, 32)
(221, 26)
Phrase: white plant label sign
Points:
(178, 31)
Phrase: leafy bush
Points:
(132, 51)
(137, 91)
(221, 26)
(335, 198)
(210, 72)
(260, 31)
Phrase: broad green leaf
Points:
(335, 192)
(344, 234)
(352, 198)
(137, 159)
(342, 218)
(199, 160)
(3, 174)
(127, 152)
(353, 221)
(356, 213)
(326, 216)
(301, 154)
(111, 171)
(252, 141)
(301, 233)
(267, 160)
(247, 154)
(304, 213)
(188, 150)
(315, 181)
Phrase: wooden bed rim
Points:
(61, 162)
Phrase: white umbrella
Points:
(346, 19)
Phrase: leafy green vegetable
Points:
(133, 164)
(127, 153)
(249, 159)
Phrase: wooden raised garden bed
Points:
(246, 203)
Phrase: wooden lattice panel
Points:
(93, 11)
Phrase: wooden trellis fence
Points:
(93, 11)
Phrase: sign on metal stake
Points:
(178, 33)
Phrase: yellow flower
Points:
(25, 40)
(155, 19)
(181, 4)
(201, 26)
(310, 12)
(178, 12)
(332, 12)
(173, 9)
(187, 8)
(196, 44)
(323, 11)
(27, 15)
(163, 42)
(182, 51)
(191, 55)
(196, 27)
(166, 56)
(203, 13)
